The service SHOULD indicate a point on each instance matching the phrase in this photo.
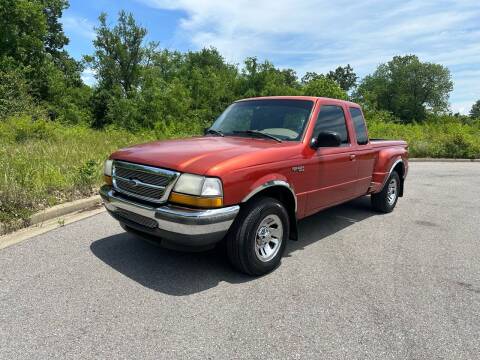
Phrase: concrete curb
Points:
(442, 160)
(41, 228)
(63, 209)
(59, 210)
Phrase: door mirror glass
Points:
(327, 139)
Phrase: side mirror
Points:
(327, 139)
(205, 130)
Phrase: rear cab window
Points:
(359, 125)
(332, 118)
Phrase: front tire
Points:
(256, 242)
(385, 200)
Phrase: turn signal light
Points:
(196, 201)
(107, 179)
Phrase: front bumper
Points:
(175, 224)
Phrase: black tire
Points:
(382, 201)
(241, 239)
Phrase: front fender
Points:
(269, 181)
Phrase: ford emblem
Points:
(133, 182)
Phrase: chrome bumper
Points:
(179, 225)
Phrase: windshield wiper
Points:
(256, 132)
(213, 131)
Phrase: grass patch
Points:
(44, 163)
(439, 137)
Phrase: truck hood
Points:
(208, 155)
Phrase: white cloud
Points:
(320, 35)
(88, 77)
(462, 107)
(80, 26)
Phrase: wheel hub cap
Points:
(392, 192)
(269, 237)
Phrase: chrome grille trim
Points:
(143, 182)
(145, 177)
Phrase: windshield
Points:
(282, 119)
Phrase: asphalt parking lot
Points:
(358, 285)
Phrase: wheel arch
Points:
(283, 192)
(397, 165)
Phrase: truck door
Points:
(364, 154)
(331, 170)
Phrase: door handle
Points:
(352, 157)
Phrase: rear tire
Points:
(385, 200)
(257, 239)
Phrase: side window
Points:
(331, 118)
(359, 124)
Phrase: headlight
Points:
(189, 184)
(198, 191)
(107, 167)
(198, 185)
(107, 172)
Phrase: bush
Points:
(27, 129)
(14, 95)
(439, 137)
(45, 163)
(87, 174)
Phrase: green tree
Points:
(264, 79)
(24, 28)
(407, 87)
(475, 110)
(118, 53)
(14, 96)
(344, 76)
(322, 86)
(207, 83)
(32, 44)
(309, 76)
(117, 62)
(55, 39)
(210, 81)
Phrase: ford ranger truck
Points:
(264, 164)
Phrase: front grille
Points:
(122, 214)
(145, 191)
(145, 177)
(143, 182)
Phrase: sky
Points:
(305, 35)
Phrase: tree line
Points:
(139, 85)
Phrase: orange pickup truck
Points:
(264, 164)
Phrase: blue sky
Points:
(306, 35)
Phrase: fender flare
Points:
(395, 163)
(269, 184)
